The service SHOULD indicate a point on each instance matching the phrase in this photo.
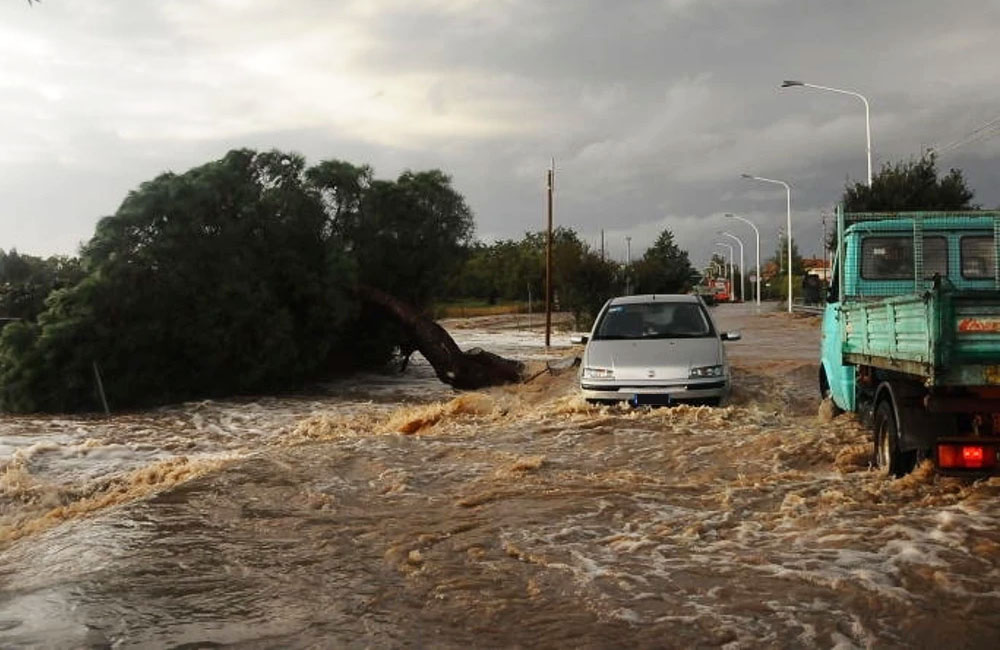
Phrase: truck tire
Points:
(886, 456)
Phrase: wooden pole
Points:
(548, 259)
(100, 389)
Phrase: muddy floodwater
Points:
(387, 511)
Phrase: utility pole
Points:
(550, 178)
(602, 244)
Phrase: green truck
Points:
(911, 336)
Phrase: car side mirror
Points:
(732, 336)
(579, 339)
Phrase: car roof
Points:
(655, 297)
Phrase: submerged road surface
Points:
(389, 512)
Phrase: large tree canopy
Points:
(237, 276)
(912, 185)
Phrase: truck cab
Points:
(911, 336)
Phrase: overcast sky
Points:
(652, 109)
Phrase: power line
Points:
(984, 132)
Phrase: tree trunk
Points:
(472, 369)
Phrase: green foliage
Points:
(407, 237)
(778, 289)
(913, 185)
(237, 276)
(780, 258)
(664, 268)
(25, 281)
(509, 270)
(410, 235)
(216, 281)
(580, 279)
(582, 282)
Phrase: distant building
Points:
(816, 266)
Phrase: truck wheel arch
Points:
(825, 392)
(917, 429)
(885, 391)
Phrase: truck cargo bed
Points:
(945, 337)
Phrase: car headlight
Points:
(706, 371)
(598, 373)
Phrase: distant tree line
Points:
(248, 274)
(582, 278)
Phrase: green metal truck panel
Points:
(944, 337)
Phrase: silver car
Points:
(654, 350)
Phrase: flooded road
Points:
(388, 512)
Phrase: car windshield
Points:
(653, 320)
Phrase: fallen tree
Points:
(466, 370)
(241, 277)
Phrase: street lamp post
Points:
(731, 251)
(868, 125)
(788, 196)
(628, 266)
(743, 268)
(757, 237)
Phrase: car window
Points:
(654, 320)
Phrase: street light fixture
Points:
(757, 236)
(788, 195)
(743, 269)
(731, 251)
(868, 126)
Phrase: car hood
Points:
(664, 358)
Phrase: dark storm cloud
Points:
(651, 109)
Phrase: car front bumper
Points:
(681, 390)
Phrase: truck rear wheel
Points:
(886, 457)
(885, 454)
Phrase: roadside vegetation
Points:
(238, 276)
(257, 273)
(582, 281)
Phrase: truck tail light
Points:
(966, 456)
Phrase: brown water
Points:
(390, 513)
